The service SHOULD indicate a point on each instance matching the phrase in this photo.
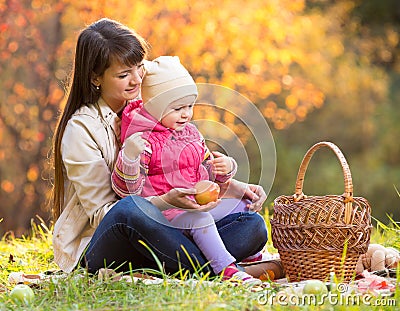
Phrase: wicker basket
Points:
(316, 235)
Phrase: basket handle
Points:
(348, 183)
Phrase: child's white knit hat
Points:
(164, 82)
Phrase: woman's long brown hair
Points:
(97, 45)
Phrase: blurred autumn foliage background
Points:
(317, 70)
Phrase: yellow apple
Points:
(315, 287)
(22, 293)
(206, 192)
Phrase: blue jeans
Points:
(115, 243)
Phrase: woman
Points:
(94, 228)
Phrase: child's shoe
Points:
(232, 273)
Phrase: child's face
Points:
(178, 113)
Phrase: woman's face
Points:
(179, 113)
(120, 83)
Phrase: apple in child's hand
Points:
(22, 293)
(206, 192)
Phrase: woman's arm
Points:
(87, 162)
(237, 189)
(179, 198)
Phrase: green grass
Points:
(78, 291)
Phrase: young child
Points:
(166, 152)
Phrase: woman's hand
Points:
(180, 198)
(237, 189)
(257, 196)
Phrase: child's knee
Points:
(193, 220)
(203, 219)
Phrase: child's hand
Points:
(221, 164)
(134, 145)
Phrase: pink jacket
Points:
(173, 159)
